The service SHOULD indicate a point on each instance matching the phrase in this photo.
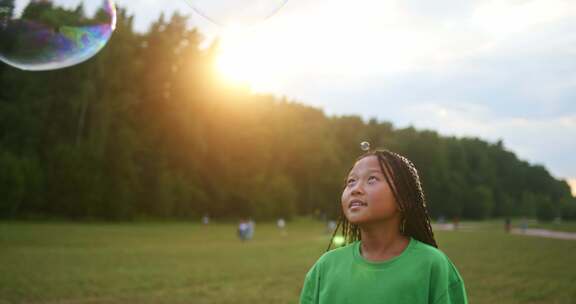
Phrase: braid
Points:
(404, 182)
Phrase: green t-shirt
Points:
(420, 274)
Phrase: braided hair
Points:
(402, 178)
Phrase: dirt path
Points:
(451, 227)
(529, 232)
(546, 233)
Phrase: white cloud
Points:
(500, 18)
(549, 141)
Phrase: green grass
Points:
(189, 263)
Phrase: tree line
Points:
(146, 129)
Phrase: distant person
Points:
(243, 228)
(206, 220)
(456, 222)
(281, 224)
(251, 228)
(524, 225)
(390, 254)
(442, 223)
(331, 226)
(441, 219)
(507, 225)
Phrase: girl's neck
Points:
(382, 241)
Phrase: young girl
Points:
(391, 256)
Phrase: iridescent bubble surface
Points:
(236, 12)
(38, 35)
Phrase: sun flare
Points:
(242, 60)
(233, 68)
(332, 46)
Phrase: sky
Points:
(494, 69)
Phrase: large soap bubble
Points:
(39, 35)
(236, 12)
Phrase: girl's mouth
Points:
(356, 204)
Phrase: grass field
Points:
(190, 263)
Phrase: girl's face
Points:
(367, 196)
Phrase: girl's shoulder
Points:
(435, 258)
(427, 251)
(338, 253)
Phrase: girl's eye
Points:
(350, 182)
(372, 178)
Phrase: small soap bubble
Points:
(236, 12)
(338, 240)
(365, 146)
(38, 35)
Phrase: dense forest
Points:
(147, 130)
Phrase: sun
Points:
(287, 49)
(236, 67)
(244, 58)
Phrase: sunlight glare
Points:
(572, 184)
(339, 47)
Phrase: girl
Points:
(391, 256)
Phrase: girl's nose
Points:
(357, 189)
